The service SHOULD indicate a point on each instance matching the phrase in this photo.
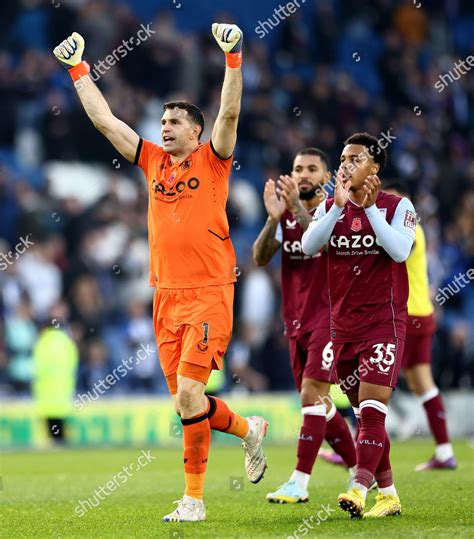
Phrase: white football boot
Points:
(188, 510)
(255, 462)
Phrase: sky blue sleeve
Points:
(396, 238)
(320, 228)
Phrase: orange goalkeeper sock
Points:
(196, 441)
(222, 418)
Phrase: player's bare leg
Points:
(373, 454)
(420, 381)
(319, 413)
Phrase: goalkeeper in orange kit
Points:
(192, 261)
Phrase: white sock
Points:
(301, 478)
(352, 471)
(391, 490)
(430, 394)
(444, 452)
(362, 489)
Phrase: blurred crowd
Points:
(73, 235)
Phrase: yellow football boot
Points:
(352, 501)
(386, 505)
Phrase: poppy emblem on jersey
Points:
(356, 224)
(171, 179)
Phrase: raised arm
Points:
(122, 137)
(289, 192)
(320, 229)
(224, 135)
(267, 244)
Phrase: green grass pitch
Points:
(41, 491)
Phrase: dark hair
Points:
(397, 185)
(315, 151)
(194, 113)
(378, 154)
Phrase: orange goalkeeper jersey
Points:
(188, 231)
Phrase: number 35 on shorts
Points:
(384, 356)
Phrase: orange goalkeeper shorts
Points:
(193, 327)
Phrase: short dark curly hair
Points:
(374, 149)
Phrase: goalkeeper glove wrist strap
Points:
(233, 59)
(80, 70)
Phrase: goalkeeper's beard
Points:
(311, 193)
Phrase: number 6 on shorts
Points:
(328, 356)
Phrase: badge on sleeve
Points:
(410, 220)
